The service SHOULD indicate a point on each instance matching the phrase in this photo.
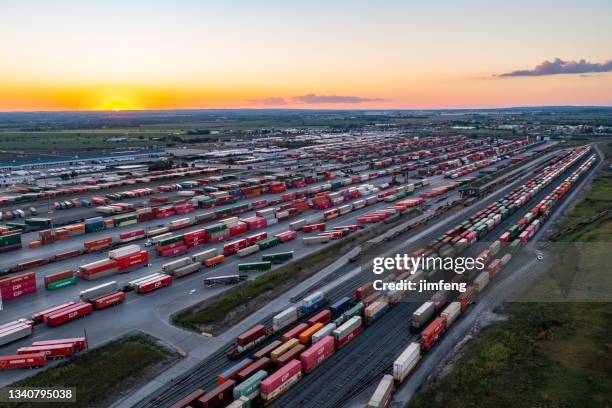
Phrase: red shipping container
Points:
(286, 236)
(218, 397)
(251, 239)
(323, 316)
(12, 280)
(195, 236)
(57, 276)
(232, 247)
(132, 234)
(189, 400)
(494, 267)
(432, 332)
(18, 286)
(265, 352)
(259, 203)
(292, 354)
(314, 227)
(10, 295)
(316, 354)
(51, 350)
(79, 343)
(261, 364)
(66, 255)
(150, 286)
(108, 300)
(98, 244)
(39, 316)
(129, 261)
(252, 335)
(254, 223)
(281, 379)
(22, 361)
(295, 332)
(65, 315)
(179, 250)
(237, 229)
(371, 298)
(364, 291)
(466, 298)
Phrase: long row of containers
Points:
(274, 368)
(438, 314)
(223, 196)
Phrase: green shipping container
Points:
(255, 266)
(62, 283)
(216, 228)
(278, 257)
(482, 230)
(222, 212)
(268, 243)
(514, 246)
(11, 239)
(250, 385)
(514, 231)
(356, 310)
(38, 222)
(170, 240)
(95, 227)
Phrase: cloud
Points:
(314, 99)
(269, 101)
(558, 66)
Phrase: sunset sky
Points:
(80, 55)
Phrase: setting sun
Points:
(116, 105)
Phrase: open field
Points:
(544, 355)
(102, 374)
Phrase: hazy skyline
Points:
(75, 55)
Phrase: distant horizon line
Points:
(119, 111)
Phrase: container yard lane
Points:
(146, 311)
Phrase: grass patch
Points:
(101, 375)
(544, 355)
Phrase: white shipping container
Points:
(204, 255)
(325, 331)
(186, 270)
(284, 318)
(359, 204)
(124, 251)
(505, 259)
(297, 225)
(170, 266)
(315, 240)
(406, 361)
(248, 250)
(98, 290)
(382, 392)
(451, 312)
(347, 327)
(422, 314)
(481, 281)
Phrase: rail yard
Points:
(87, 262)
